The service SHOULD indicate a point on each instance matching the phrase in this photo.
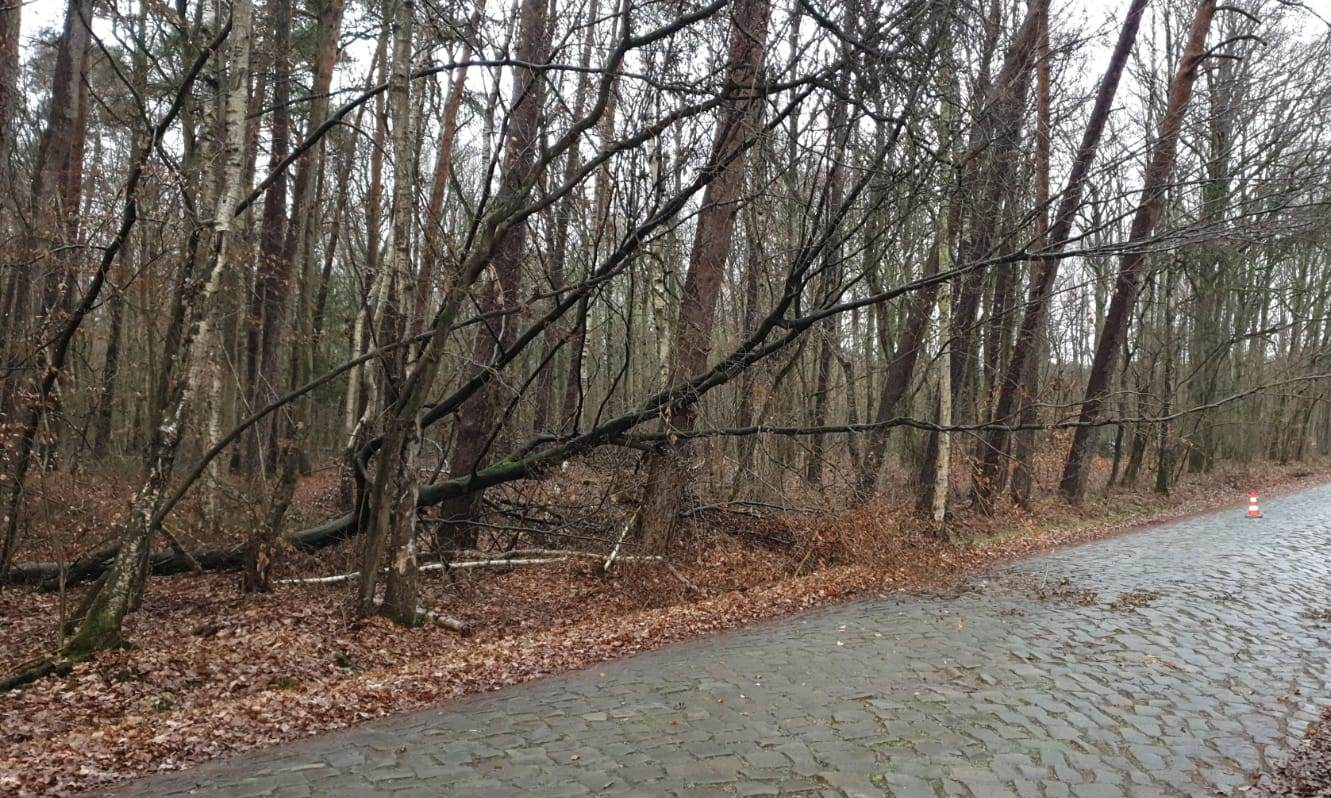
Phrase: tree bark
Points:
(995, 149)
(900, 373)
(482, 418)
(101, 625)
(432, 249)
(272, 280)
(56, 192)
(1019, 382)
(106, 395)
(392, 499)
(298, 250)
(943, 459)
(11, 13)
(1023, 443)
(1133, 264)
(666, 467)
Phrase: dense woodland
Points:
(555, 276)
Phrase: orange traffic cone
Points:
(1253, 510)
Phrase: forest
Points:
(364, 307)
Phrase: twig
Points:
(722, 507)
(179, 549)
(675, 572)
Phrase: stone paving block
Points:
(990, 691)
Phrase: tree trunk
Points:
(1023, 443)
(564, 212)
(998, 137)
(10, 19)
(357, 397)
(1020, 381)
(666, 467)
(829, 332)
(106, 396)
(1163, 461)
(272, 280)
(298, 250)
(943, 460)
(1133, 264)
(432, 249)
(482, 418)
(753, 266)
(56, 191)
(392, 521)
(100, 626)
(900, 373)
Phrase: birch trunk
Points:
(101, 625)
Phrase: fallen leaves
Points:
(1134, 599)
(214, 672)
(1307, 772)
(1065, 592)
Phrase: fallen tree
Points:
(537, 463)
(224, 558)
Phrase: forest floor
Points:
(214, 672)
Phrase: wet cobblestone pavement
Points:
(1171, 662)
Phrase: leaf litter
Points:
(213, 672)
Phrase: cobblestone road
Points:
(995, 691)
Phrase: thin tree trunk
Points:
(392, 501)
(558, 237)
(101, 625)
(1163, 461)
(998, 135)
(272, 281)
(11, 13)
(106, 396)
(56, 192)
(753, 265)
(366, 320)
(481, 419)
(836, 178)
(432, 249)
(1023, 443)
(943, 461)
(262, 549)
(900, 373)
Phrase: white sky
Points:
(39, 14)
(44, 17)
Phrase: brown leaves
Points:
(1134, 599)
(215, 672)
(1308, 770)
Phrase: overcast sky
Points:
(38, 14)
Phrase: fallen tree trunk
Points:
(447, 621)
(226, 558)
(541, 557)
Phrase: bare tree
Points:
(1133, 264)
(667, 468)
(1019, 381)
